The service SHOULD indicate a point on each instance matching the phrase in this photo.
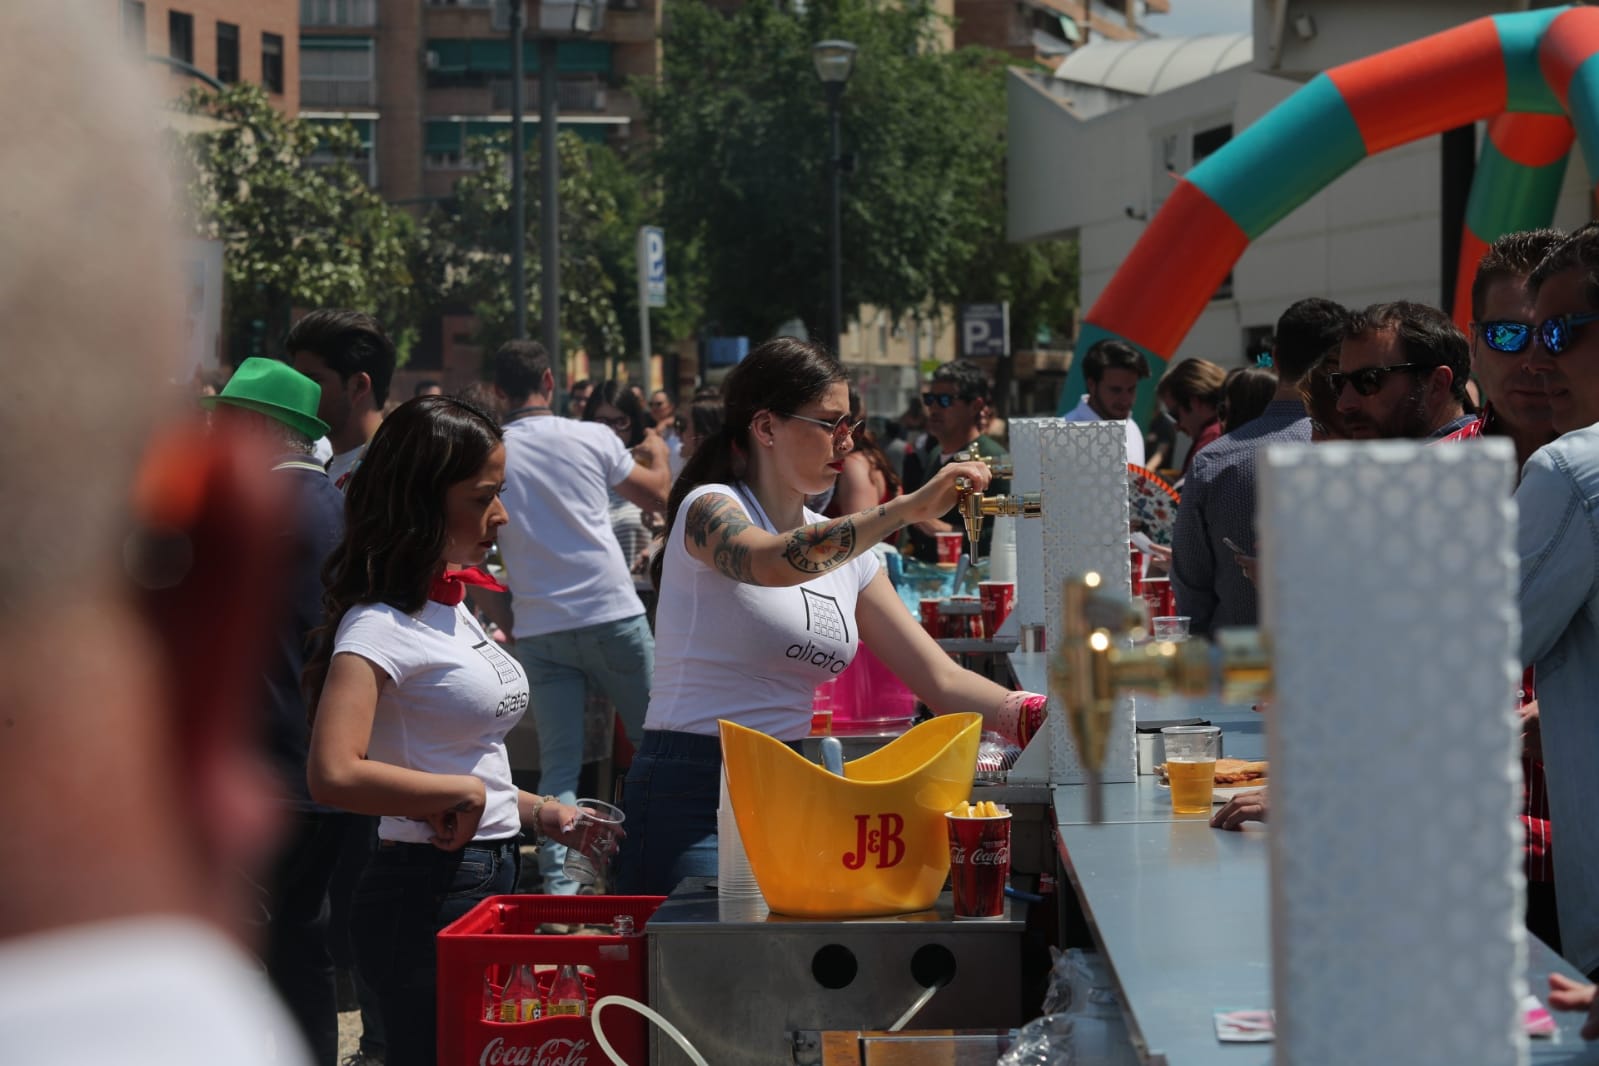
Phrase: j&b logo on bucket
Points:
(886, 842)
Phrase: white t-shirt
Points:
(1135, 436)
(724, 649)
(562, 562)
(453, 697)
(341, 466)
(153, 991)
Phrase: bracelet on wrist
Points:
(539, 835)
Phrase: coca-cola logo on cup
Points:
(554, 1052)
(984, 855)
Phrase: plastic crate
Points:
(501, 932)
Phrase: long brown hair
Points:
(395, 516)
(781, 376)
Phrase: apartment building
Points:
(419, 78)
(228, 40)
(1044, 31)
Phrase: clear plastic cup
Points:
(588, 862)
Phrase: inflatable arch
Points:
(1528, 71)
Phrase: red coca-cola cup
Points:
(998, 597)
(930, 619)
(979, 864)
(949, 549)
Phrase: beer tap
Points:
(998, 465)
(974, 507)
(1095, 663)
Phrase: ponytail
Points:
(780, 375)
(720, 458)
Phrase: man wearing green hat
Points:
(272, 399)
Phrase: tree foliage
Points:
(294, 234)
(742, 153)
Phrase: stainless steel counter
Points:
(1181, 912)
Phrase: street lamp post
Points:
(835, 60)
(557, 19)
(518, 192)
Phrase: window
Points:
(227, 52)
(180, 36)
(364, 159)
(133, 24)
(456, 63)
(338, 13)
(272, 62)
(337, 72)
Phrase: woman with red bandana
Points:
(413, 701)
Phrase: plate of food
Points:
(1234, 777)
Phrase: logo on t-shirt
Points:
(823, 618)
(498, 659)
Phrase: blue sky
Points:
(1191, 17)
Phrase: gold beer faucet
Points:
(1094, 664)
(998, 465)
(974, 507)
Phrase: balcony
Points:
(339, 94)
(338, 12)
(572, 94)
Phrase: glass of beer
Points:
(1191, 766)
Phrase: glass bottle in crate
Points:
(567, 996)
(491, 997)
(520, 1000)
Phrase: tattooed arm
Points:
(718, 532)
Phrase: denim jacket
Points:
(1558, 541)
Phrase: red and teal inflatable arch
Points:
(1535, 73)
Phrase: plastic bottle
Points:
(520, 1000)
(491, 998)
(567, 995)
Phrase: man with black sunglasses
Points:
(957, 400)
(1558, 542)
(1402, 372)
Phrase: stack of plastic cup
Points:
(735, 880)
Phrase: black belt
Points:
(404, 846)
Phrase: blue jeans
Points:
(670, 799)
(616, 658)
(407, 894)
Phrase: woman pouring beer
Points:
(761, 599)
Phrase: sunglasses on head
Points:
(1367, 380)
(1558, 334)
(1509, 337)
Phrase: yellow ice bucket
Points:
(870, 842)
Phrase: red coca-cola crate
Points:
(501, 933)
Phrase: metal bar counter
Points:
(1181, 912)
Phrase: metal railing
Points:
(338, 12)
(328, 92)
(572, 94)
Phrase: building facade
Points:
(419, 78)
(1044, 31)
(227, 40)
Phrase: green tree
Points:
(294, 233)
(741, 151)
(603, 201)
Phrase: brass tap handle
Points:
(1095, 664)
(998, 465)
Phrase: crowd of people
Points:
(394, 671)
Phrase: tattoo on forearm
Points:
(819, 548)
(715, 521)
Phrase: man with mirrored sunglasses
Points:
(1516, 406)
(1558, 542)
(1515, 403)
(957, 399)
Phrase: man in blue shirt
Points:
(1218, 503)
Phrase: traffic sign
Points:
(985, 329)
(652, 265)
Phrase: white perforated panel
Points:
(1029, 608)
(1387, 588)
(1085, 528)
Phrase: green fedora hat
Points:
(277, 390)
